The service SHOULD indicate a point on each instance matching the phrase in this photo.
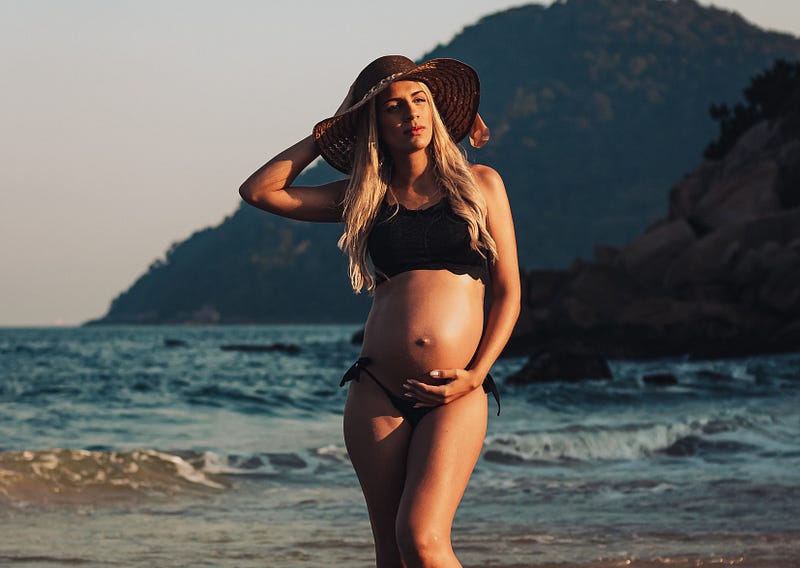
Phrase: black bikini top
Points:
(434, 238)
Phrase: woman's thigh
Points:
(443, 452)
(377, 441)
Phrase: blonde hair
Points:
(369, 183)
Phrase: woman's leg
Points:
(444, 449)
(377, 440)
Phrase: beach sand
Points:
(244, 527)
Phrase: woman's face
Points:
(405, 118)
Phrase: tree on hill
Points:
(773, 93)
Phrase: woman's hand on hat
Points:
(348, 101)
(441, 386)
(478, 133)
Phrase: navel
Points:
(423, 341)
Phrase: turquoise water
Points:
(116, 449)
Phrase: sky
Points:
(126, 126)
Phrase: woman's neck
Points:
(413, 178)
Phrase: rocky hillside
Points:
(596, 106)
(718, 276)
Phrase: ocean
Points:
(153, 446)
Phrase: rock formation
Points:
(719, 276)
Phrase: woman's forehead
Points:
(398, 89)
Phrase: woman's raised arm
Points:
(270, 186)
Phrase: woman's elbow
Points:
(508, 293)
(515, 304)
(250, 193)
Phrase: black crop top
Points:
(434, 238)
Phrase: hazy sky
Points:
(128, 125)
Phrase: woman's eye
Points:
(419, 100)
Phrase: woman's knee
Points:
(421, 544)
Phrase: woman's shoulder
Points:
(489, 181)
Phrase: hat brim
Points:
(456, 92)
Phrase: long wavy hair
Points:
(369, 184)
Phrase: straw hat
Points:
(455, 87)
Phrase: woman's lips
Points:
(416, 131)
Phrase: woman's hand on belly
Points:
(441, 386)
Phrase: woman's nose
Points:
(410, 114)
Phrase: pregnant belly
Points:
(423, 320)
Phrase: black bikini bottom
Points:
(404, 406)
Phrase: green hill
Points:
(596, 106)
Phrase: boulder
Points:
(787, 187)
(706, 259)
(781, 291)
(647, 258)
(543, 286)
(660, 379)
(687, 192)
(358, 337)
(762, 139)
(566, 365)
(605, 254)
(748, 195)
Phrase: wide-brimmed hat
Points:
(454, 85)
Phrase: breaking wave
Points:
(69, 476)
(583, 443)
(82, 476)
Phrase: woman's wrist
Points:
(476, 377)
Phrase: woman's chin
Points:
(414, 146)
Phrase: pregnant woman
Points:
(427, 234)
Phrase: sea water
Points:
(119, 449)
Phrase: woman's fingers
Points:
(423, 393)
(444, 374)
(435, 388)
